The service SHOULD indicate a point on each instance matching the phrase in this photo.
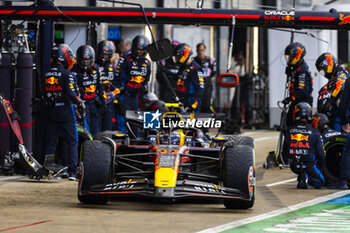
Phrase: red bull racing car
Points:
(168, 164)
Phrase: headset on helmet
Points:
(319, 120)
(326, 63)
(294, 53)
(138, 47)
(85, 57)
(302, 110)
(182, 52)
(63, 54)
(105, 51)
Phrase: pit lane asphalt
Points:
(52, 205)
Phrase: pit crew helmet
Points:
(319, 120)
(294, 53)
(182, 52)
(64, 55)
(138, 47)
(105, 51)
(85, 57)
(302, 110)
(325, 64)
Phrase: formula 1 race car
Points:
(168, 164)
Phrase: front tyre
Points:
(239, 173)
(95, 170)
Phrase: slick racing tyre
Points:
(240, 140)
(334, 149)
(108, 134)
(239, 173)
(95, 170)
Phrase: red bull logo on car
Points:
(299, 137)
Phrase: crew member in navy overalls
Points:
(59, 95)
(208, 65)
(133, 72)
(190, 83)
(327, 65)
(299, 78)
(303, 146)
(105, 51)
(90, 87)
(320, 121)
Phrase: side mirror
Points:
(164, 50)
(228, 79)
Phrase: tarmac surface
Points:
(52, 205)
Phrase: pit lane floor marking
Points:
(265, 138)
(28, 225)
(281, 182)
(274, 213)
(10, 178)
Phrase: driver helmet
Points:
(85, 57)
(325, 64)
(301, 111)
(148, 99)
(138, 47)
(294, 53)
(319, 120)
(64, 55)
(105, 51)
(182, 53)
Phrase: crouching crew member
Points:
(59, 94)
(133, 72)
(320, 121)
(327, 65)
(105, 51)
(190, 84)
(304, 147)
(90, 87)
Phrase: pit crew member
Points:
(299, 78)
(90, 86)
(208, 65)
(105, 51)
(304, 147)
(59, 95)
(190, 83)
(327, 65)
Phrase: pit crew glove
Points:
(286, 100)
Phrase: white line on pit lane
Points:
(281, 182)
(10, 178)
(275, 212)
(265, 138)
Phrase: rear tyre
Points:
(239, 173)
(334, 149)
(107, 134)
(240, 140)
(95, 170)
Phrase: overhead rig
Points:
(215, 17)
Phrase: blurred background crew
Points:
(190, 83)
(90, 87)
(167, 69)
(124, 47)
(208, 65)
(327, 65)
(133, 72)
(60, 92)
(303, 147)
(105, 51)
(299, 78)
